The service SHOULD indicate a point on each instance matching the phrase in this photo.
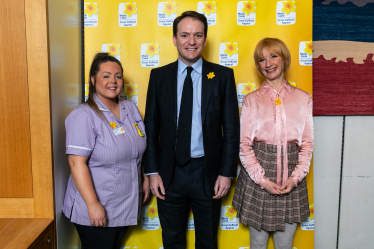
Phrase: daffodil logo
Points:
(128, 14)
(152, 212)
(228, 218)
(150, 54)
(309, 47)
(308, 224)
(191, 221)
(209, 7)
(169, 8)
(292, 83)
(246, 13)
(249, 7)
(228, 54)
(91, 18)
(167, 12)
(131, 90)
(231, 48)
(248, 87)
(152, 49)
(242, 90)
(230, 212)
(90, 8)
(130, 9)
(305, 53)
(289, 6)
(311, 209)
(286, 12)
(113, 49)
(149, 219)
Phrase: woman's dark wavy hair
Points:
(95, 68)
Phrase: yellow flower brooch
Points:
(211, 75)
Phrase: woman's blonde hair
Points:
(274, 46)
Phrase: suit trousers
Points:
(189, 188)
(101, 237)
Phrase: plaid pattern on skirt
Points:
(256, 207)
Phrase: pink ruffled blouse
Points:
(266, 119)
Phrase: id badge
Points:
(119, 131)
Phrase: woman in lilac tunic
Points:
(105, 142)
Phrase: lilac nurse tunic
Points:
(114, 162)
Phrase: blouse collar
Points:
(266, 87)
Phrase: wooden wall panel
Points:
(39, 102)
(15, 159)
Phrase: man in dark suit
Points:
(192, 127)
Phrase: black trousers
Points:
(101, 237)
(189, 188)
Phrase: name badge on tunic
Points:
(119, 131)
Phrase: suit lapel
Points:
(171, 84)
(207, 86)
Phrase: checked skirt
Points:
(256, 207)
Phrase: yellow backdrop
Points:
(139, 34)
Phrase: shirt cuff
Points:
(294, 179)
(263, 182)
(155, 173)
(78, 150)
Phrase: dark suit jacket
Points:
(220, 121)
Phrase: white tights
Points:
(282, 240)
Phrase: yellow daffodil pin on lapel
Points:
(278, 101)
(211, 75)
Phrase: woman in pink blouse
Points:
(276, 145)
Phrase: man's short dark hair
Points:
(194, 15)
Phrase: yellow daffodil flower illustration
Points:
(309, 47)
(130, 9)
(152, 212)
(311, 208)
(289, 6)
(230, 212)
(211, 75)
(278, 101)
(249, 87)
(113, 125)
(169, 8)
(249, 7)
(191, 215)
(90, 8)
(292, 83)
(209, 7)
(113, 49)
(231, 48)
(131, 90)
(152, 49)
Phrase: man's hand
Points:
(272, 188)
(156, 183)
(145, 188)
(221, 187)
(287, 186)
